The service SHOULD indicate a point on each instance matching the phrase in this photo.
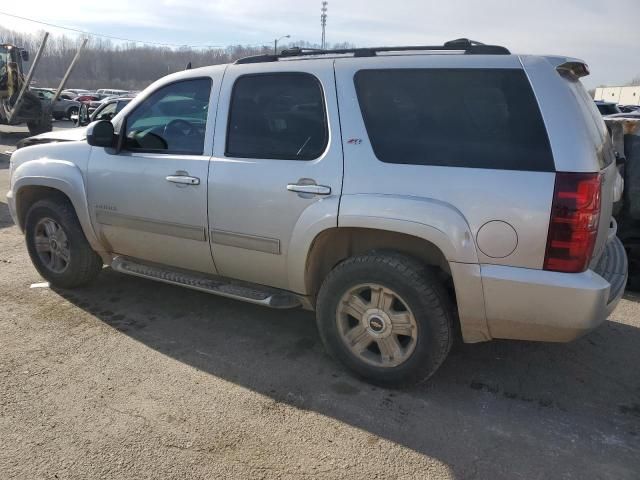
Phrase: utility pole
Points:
(275, 44)
(323, 22)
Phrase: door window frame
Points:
(123, 126)
(325, 116)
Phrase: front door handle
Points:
(183, 179)
(309, 188)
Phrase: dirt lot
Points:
(135, 379)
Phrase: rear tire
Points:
(397, 330)
(57, 245)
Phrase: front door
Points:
(276, 169)
(150, 200)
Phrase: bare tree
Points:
(129, 66)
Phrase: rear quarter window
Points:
(454, 117)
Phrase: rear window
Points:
(454, 117)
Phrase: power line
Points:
(113, 37)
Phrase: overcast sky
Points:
(605, 34)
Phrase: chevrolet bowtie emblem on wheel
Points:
(376, 324)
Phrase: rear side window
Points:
(454, 117)
(277, 116)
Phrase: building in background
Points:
(629, 95)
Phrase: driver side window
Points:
(172, 119)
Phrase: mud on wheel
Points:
(386, 317)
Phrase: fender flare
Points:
(65, 177)
(432, 220)
(435, 221)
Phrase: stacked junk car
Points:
(625, 133)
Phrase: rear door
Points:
(276, 168)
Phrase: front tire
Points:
(57, 245)
(386, 317)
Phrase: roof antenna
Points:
(188, 66)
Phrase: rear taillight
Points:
(575, 215)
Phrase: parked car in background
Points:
(78, 91)
(607, 108)
(63, 107)
(97, 104)
(633, 115)
(629, 108)
(350, 184)
(105, 111)
(94, 104)
(111, 92)
(68, 95)
(87, 97)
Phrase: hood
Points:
(66, 135)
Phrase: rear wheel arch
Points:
(335, 245)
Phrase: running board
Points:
(259, 295)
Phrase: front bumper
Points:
(527, 304)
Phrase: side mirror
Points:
(25, 55)
(83, 115)
(101, 134)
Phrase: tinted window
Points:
(454, 117)
(279, 116)
(172, 119)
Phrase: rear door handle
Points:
(310, 189)
(183, 179)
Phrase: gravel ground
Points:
(134, 379)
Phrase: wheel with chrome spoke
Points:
(376, 325)
(386, 317)
(57, 245)
(52, 245)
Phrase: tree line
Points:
(127, 66)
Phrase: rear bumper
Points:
(528, 304)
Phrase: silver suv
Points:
(401, 193)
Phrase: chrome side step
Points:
(246, 292)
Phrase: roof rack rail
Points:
(465, 45)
